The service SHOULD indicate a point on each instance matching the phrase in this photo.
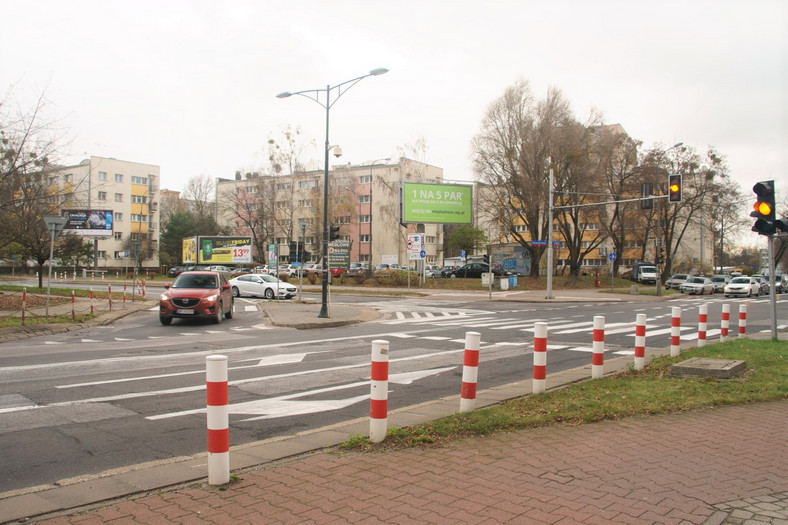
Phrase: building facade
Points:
(363, 202)
(131, 191)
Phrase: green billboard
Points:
(436, 203)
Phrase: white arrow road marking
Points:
(249, 308)
(265, 361)
(52, 343)
(90, 341)
(122, 339)
(283, 406)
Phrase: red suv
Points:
(196, 295)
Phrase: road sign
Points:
(462, 254)
(612, 256)
(415, 246)
(539, 243)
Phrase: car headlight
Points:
(211, 298)
(164, 297)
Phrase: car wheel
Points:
(749, 292)
(219, 314)
(453, 276)
(269, 293)
(166, 321)
(236, 292)
(229, 313)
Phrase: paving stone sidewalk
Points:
(725, 465)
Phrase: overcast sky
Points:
(190, 85)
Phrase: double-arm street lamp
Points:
(315, 94)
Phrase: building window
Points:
(120, 255)
(251, 189)
(305, 203)
(364, 219)
(364, 257)
(102, 195)
(284, 185)
(102, 254)
(139, 180)
(52, 181)
(118, 177)
(306, 184)
(281, 204)
(139, 199)
(362, 199)
(281, 240)
(118, 216)
(310, 240)
(363, 238)
(365, 179)
(136, 217)
(102, 175)
(521, 228)
(589, 226)
(118, 236)
(118, 197)
(431, 239)
(67, 177)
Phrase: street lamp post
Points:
(314, 94)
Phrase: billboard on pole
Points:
(436, 203)
(88, 223)
(223, 250)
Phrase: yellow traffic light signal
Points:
(764, 208)
(674, 187)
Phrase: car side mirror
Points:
(167, 285)
(226, 286)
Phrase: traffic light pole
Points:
(772, 292)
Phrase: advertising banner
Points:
(224, 250)
(339, 254)
(89, 223)
(436, 203)
(189, 255)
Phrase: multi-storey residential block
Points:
(131, 191)
(363, 202)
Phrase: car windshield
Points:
(696, 280)
(194, 281)
(718, 279)
(740, 280)
(679, 276)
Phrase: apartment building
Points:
(131, 191)
(363, 202)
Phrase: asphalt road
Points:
(84, 402)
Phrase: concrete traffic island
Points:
(708, 367)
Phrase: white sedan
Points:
(261, 285)
(742, 286)
(697, 285)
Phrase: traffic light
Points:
(764, 208)
(334, 233)
(660, 255)
(674, 187)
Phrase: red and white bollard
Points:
(218, 419)
(92, 310)
(725, 324)
(540, 358)
(675, 331)
(470, 371)
(379, 391)
(640, 341)
(598, 348)
(109, 294)
(24, 304)
(703, 319)
(124, 295)
(143, 288)
(73, 305)
(742, 320)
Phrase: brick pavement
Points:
(712, 466)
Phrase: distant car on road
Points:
(261, 285)
(764, 283)
(675, 281)
(719, 282)
(175, 271)
(196, 295)
(358, 269)
(473, 270)
(746, 286)
(431, 272)
(698, 285)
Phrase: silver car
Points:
(719, 282)
(746, 286)
(698, 285)
(676, 281)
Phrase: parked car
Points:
(175, 271)
(746, 286)
(337, 272)
(431, 272)
(196, 295)
(476, 270)
(262, 268)
(219, 268)
(312, 269)
(675, 281)
(764, 283)
(719, 282)
(446, 270)
(780, 283)
(261, 285)
(697, 285)
(358, 269)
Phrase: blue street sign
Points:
(612, 256)
(422, 254)
(539, 243)
(462, 254)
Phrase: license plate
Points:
(185, 311)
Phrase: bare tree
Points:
(511, 155)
